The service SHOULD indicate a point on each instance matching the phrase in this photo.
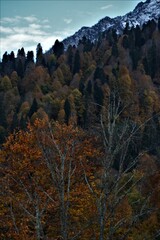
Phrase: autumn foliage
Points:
(51, 187)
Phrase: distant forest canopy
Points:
(77, 82)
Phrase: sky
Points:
(25, 23)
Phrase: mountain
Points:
(142, 13)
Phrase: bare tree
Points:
(61, 145)
(117, 178)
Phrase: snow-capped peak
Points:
(142, 13)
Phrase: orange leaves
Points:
(41, 165)
(52, 176)
(23, 182)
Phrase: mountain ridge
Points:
(142, 13)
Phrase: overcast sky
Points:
(25, 23)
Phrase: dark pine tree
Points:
(15, 122)
(3, 119)
(89, 87)
(30, 56)
(20, 68)
(58, 48)
(39, 55)
(114, 50)
(135, 54)
(99, 74)
(21, 52)
(67, 109)
(126, 29)
(5, 59)
(159, 24)
(98, 96)
(125, 42)
(151, 60)
(77, 64)
(11, 56)
(33, 108)
(81, 86)
(114, 35)
(70, 57)
(138, 42)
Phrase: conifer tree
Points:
(58, 48)
(67, 109)
(33, 108)
(76, 66)
(30, 56)
(159, 24)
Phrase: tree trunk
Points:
(39, 231)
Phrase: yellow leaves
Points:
(29, 178)
(5, 84)
(83, 205)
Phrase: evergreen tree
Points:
(114, 50)
(76, 66)
(3, 134)
(33, 108)
(21, 53)
(39, 55)
(11, 56)
(135, 55)
(159, 23)
(30, 56)
(70, 57)
(138, 42)
(89, 87)
(87, 44)
(20, 68)
(114, 35)
(67, 109)
(98, 96)
(23, 122)
(5, 58)
(58, 48)
(146, 67)
(126, 29)
(149, 139)
(14, 123)
(81, 86)
(125, 42)
(3, 120)
(99, 74)
(150, 63)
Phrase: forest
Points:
(80, 139)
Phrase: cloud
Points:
(9, 20)
(67, 20)
(6, 30)
(35, 26)
(65, 33)
(45, 21)
(26, 32)
(31, 19)
(106, 7)
(48, 42)
(47, 26)
(18, 19)
(30, 30)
